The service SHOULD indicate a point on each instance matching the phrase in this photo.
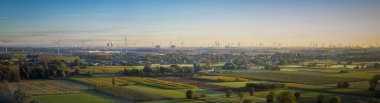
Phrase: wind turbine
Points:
(58, 45)
(83, 42)
(125, 42)
(6, 45)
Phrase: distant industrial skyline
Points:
(41, 23)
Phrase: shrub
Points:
(204, 95)
(189, 94)
(270, 97)
(343, 85)
(247, 101)
(335, 99)
(240, 95)
(373, 100)
(377, 94)
(297, 95)
(251, 91)
(343, 71)
(229, 93)
(320, 98)
(287, 97)
(265, 86)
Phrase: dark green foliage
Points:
(113, 81)
(376, 65)
(287, 97)
(265, 86)
(247, 101)
(349, 63)
(271, 67)
(270, 97)
(343, 85)
(320, 98)
(76, 72)
(189, 94)
(9, 72)
(229, 93)
(373, 82)
(335, 99)
(90, 73)
(147, 69)
(229, 66)
(203, 95)
(240, 95)
(297, 95)
(374, 100)
(251, 91)
(343, 71)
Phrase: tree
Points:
(240, 95)
(147, 69)
(113, 81)
(76, 72)
(247, 101)
(297, 95)
(373, 82)
(229, 66)
(162, 71)
(283, 62)
(270, 97)
(287, 97)
(90, 73)
(320, 98)
(9, 72)
(349, 63)
(62, 72)
(207, 64)
(22, 97)
(376, 65)
(374, 100)
(335, 99)
(189, 94)
(229, 93)
(76, 62)
(251, 91)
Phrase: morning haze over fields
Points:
(189, 51)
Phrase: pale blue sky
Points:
(195, 22)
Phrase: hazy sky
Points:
(194, 22)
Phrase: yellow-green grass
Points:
(302, 77)
(158, 91)
(327, 88)
(158, 83)
(222, 78)
(365, 74)
(81, 97)
(124, 81)
(106, 69)
(231, 84)
(104, 82)
(362, 85)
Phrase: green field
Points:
(313, 78)
(81, 97)
(221, 78)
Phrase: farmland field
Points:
(79, 97)
(39, 87)
(200, 84)
(106, 69)
(123, 81)
(313, 78)
(221, 78)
